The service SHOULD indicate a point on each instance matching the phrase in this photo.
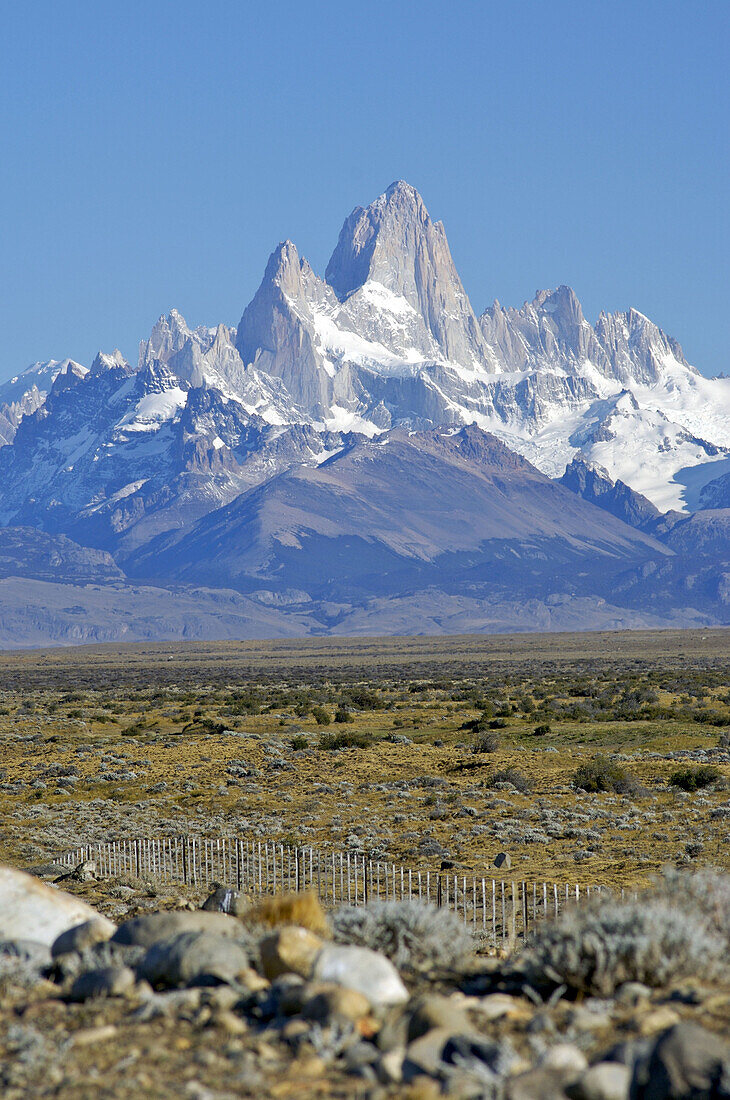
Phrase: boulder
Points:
(29, 909)
(224, 899)
(688, 1062)
(289, 950)
(193, 958)
(152, 927)
(361, 969)
(82, 936)
(107, 981)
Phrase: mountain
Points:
(592, 483)
(25, 552)
(287, 456)
(398, 517)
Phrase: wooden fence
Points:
(500, 909)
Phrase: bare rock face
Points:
(393, 243)
(31, 910)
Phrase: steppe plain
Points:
(235, 739)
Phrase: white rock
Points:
(31, 910)
(361, 969)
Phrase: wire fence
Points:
(500, 909)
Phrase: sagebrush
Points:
(413, 935)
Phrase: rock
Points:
(658, 1020)
(149, 929)
(225, 899)
(686, 1062)
(536, 1084)
(604, 1081)
(359, 1058)
(565, 1059)
(31, 910)
(108, 981)
(82, 872)
(632, 994)
(503, 860)
(497, 1006)
(362, 969)
(46, 870)
(390, 1066)
(289, 950)
(90, 1036)
(30, 952)
(439, 1046)
(81, 936)
(330, 1002)
(433, 1010)
(193, 958)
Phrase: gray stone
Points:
(82, 936)
(193, 958)
(536, 1084)
(362, 969)
(685, 1062)
(28, 951)
(604, 1081)
(149, 929)
(108, 981)
(433, 1010)
(503, 861)
(224, 899)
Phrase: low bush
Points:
(542, 730)
(596, 948)
(299, 743)
(414, 936)
(343, 715)
(602, 774)
(488, 741)
(321, 716)
(345, 739)
(514, 776)
(694, 779)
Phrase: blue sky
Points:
(154, 153)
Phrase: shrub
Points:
(321, 716)
(514, 776)
(694, 779)
(602, 774)
(345, 739)
(488, 741)
(596, 948)
(414, 936)
(542, 729)
(343, 715)
(299, 742)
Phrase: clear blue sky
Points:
(154, 153)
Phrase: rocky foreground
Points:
(277, 999)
